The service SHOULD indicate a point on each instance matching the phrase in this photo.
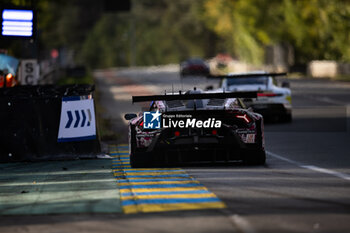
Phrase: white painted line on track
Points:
(327, 171)
(239, 222)
(283, 158)
(311, 167)
(242, 224)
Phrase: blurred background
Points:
(272, 34)
(125, 48)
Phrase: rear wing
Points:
(248, 75)
(225, 95)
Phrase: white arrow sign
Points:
(77, 121)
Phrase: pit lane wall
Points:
(47, 122)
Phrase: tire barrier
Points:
(31, 117)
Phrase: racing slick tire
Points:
(136, 163)
(257, 157)
(133, 157)
(138, 159)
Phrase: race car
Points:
(194, 66)
(273, 102)
(195, 126)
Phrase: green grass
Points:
(88, 79)
(345, 78)
(296, 75)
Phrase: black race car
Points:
(194, 66)
(195, 126)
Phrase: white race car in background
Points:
(273, 102)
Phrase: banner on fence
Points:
(77, 122)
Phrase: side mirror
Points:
(208, 88)
(285, 84)
(129, 116)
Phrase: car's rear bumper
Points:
(173, 156)
(201, 149)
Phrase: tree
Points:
(317, 29)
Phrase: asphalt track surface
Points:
(146, 190)
(304, 186)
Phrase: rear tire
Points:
(182, 74)
(134, 163)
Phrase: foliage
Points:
(168, 31)
(153, 33)
(88, 79)
(318, 29)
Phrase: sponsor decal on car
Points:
(152, 120)
(250, 138)
(155, 120)
(191, 123)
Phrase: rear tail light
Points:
(141, 124)
(177, 133)
(268, 94)
(9, 79)
(245, 117)
(214, 132)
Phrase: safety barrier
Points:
(32, 116)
